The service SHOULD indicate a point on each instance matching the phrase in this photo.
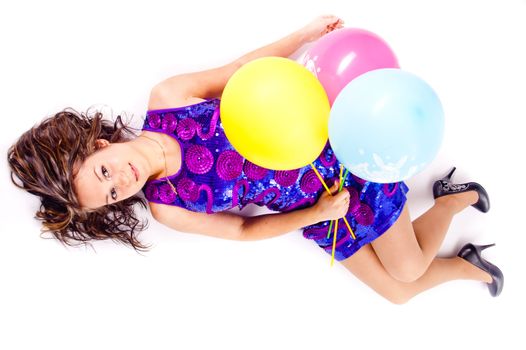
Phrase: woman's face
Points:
(113, 173)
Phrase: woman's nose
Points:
(123, 179)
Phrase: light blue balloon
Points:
(386, 125)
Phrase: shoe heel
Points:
(470, 250)
(480, 248)
(450, 175)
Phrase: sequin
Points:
(327, 157)
(187, 189)
(152, 191)
(199, 159)
(286, 178)
(309, 182)
(207, 132)
(363, 214)
(253, 171)
(166, 193)
(389, 192)
(154, 120)
(186, 129)
(229, 165)
(169, 123)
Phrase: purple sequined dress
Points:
(214, 177)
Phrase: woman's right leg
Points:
(366, 266)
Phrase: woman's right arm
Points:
(235, 227)
(185, 89)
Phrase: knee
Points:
(396, 297)
(398, 300)
(406, 271)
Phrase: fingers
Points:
(333, 22)
(335, 186)
(343, 196)
(335, 191)
(321, 26)
(336, 205)
(337, 25)
(341, 204)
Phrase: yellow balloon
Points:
(275, 113)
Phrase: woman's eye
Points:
(113, 194)
(105, 172)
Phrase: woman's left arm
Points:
(184, 89)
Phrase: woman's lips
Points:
(135, 172)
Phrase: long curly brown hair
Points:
(43, 161)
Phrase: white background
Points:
(196, 292)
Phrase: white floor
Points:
(193, 292)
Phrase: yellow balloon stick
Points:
(320, 178)
(334, 241)
(329, 230)
(349, 228)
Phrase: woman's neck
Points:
(162, 152)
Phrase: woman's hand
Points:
(332, 207)
(321, 26)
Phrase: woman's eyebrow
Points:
(97, 175)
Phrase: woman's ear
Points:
(101, 143)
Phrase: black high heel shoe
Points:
(444, 187)
(471, 253)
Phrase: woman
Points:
(88, 173)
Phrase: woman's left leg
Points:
(407, 249)
(399, 252)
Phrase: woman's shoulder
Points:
(162, 212)
(161, 100)
(178, 218)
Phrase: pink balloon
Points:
(342, 55)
